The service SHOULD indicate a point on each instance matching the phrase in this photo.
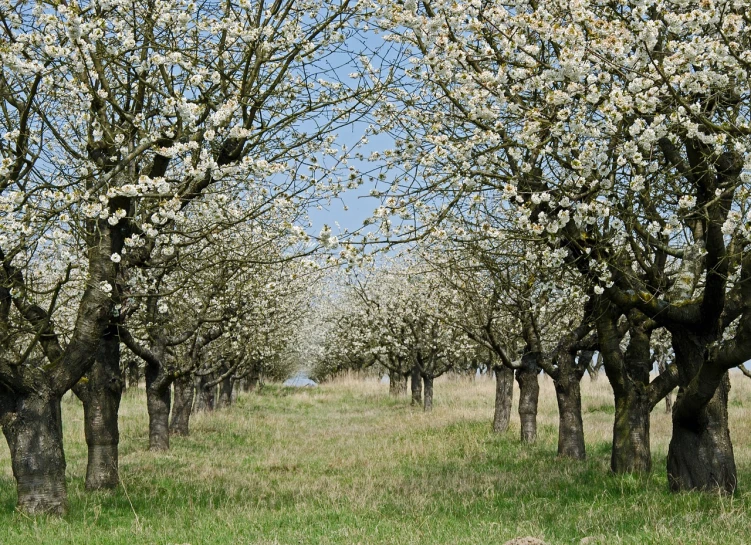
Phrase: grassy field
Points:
(345, 464)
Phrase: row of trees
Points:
(614, 139)
(579, 176)
(450, 311)
(391, 319)
(158, 159)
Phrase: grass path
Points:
(344, 464)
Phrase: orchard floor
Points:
(345, 464)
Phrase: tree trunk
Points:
(397, 384)
(416, 384)
(34, 432)
(428, 398)
(570, 426)
(403, 385)
(504, 395)
(182, 406)
(251, 381)
(700, 456)
(205, 395)
(134, 373)
(236, 384)
(628, 374)
(158, 405)
(661, 366)
(225, 393)
(393, 385)
(631, 452)
(529, 393)
(100, 392)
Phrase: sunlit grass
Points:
(344, 463)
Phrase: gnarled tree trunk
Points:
(504, 395)
(700, 455)
(529, 393)
(628, 374)
(661, 366)
(182, 405)
(100, 392)
(33, 428)
(236, 383)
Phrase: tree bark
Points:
(570, 426)
(133, 372)
(504, 395)
(236, 383)
(529, 393)
(205, 395)
(225, 393)
(403, 385)
(182, 406)
(100, 392)
(416, 385)
(631, 451)
(158, 405)
(628, 374)
(397, 384)
(428, 397)
(700, 455)
(34, 432)
(393, 386)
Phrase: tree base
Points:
(700, 456)
(102, 469)
(697, 461)
(42, 494)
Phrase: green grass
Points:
(345, 464)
